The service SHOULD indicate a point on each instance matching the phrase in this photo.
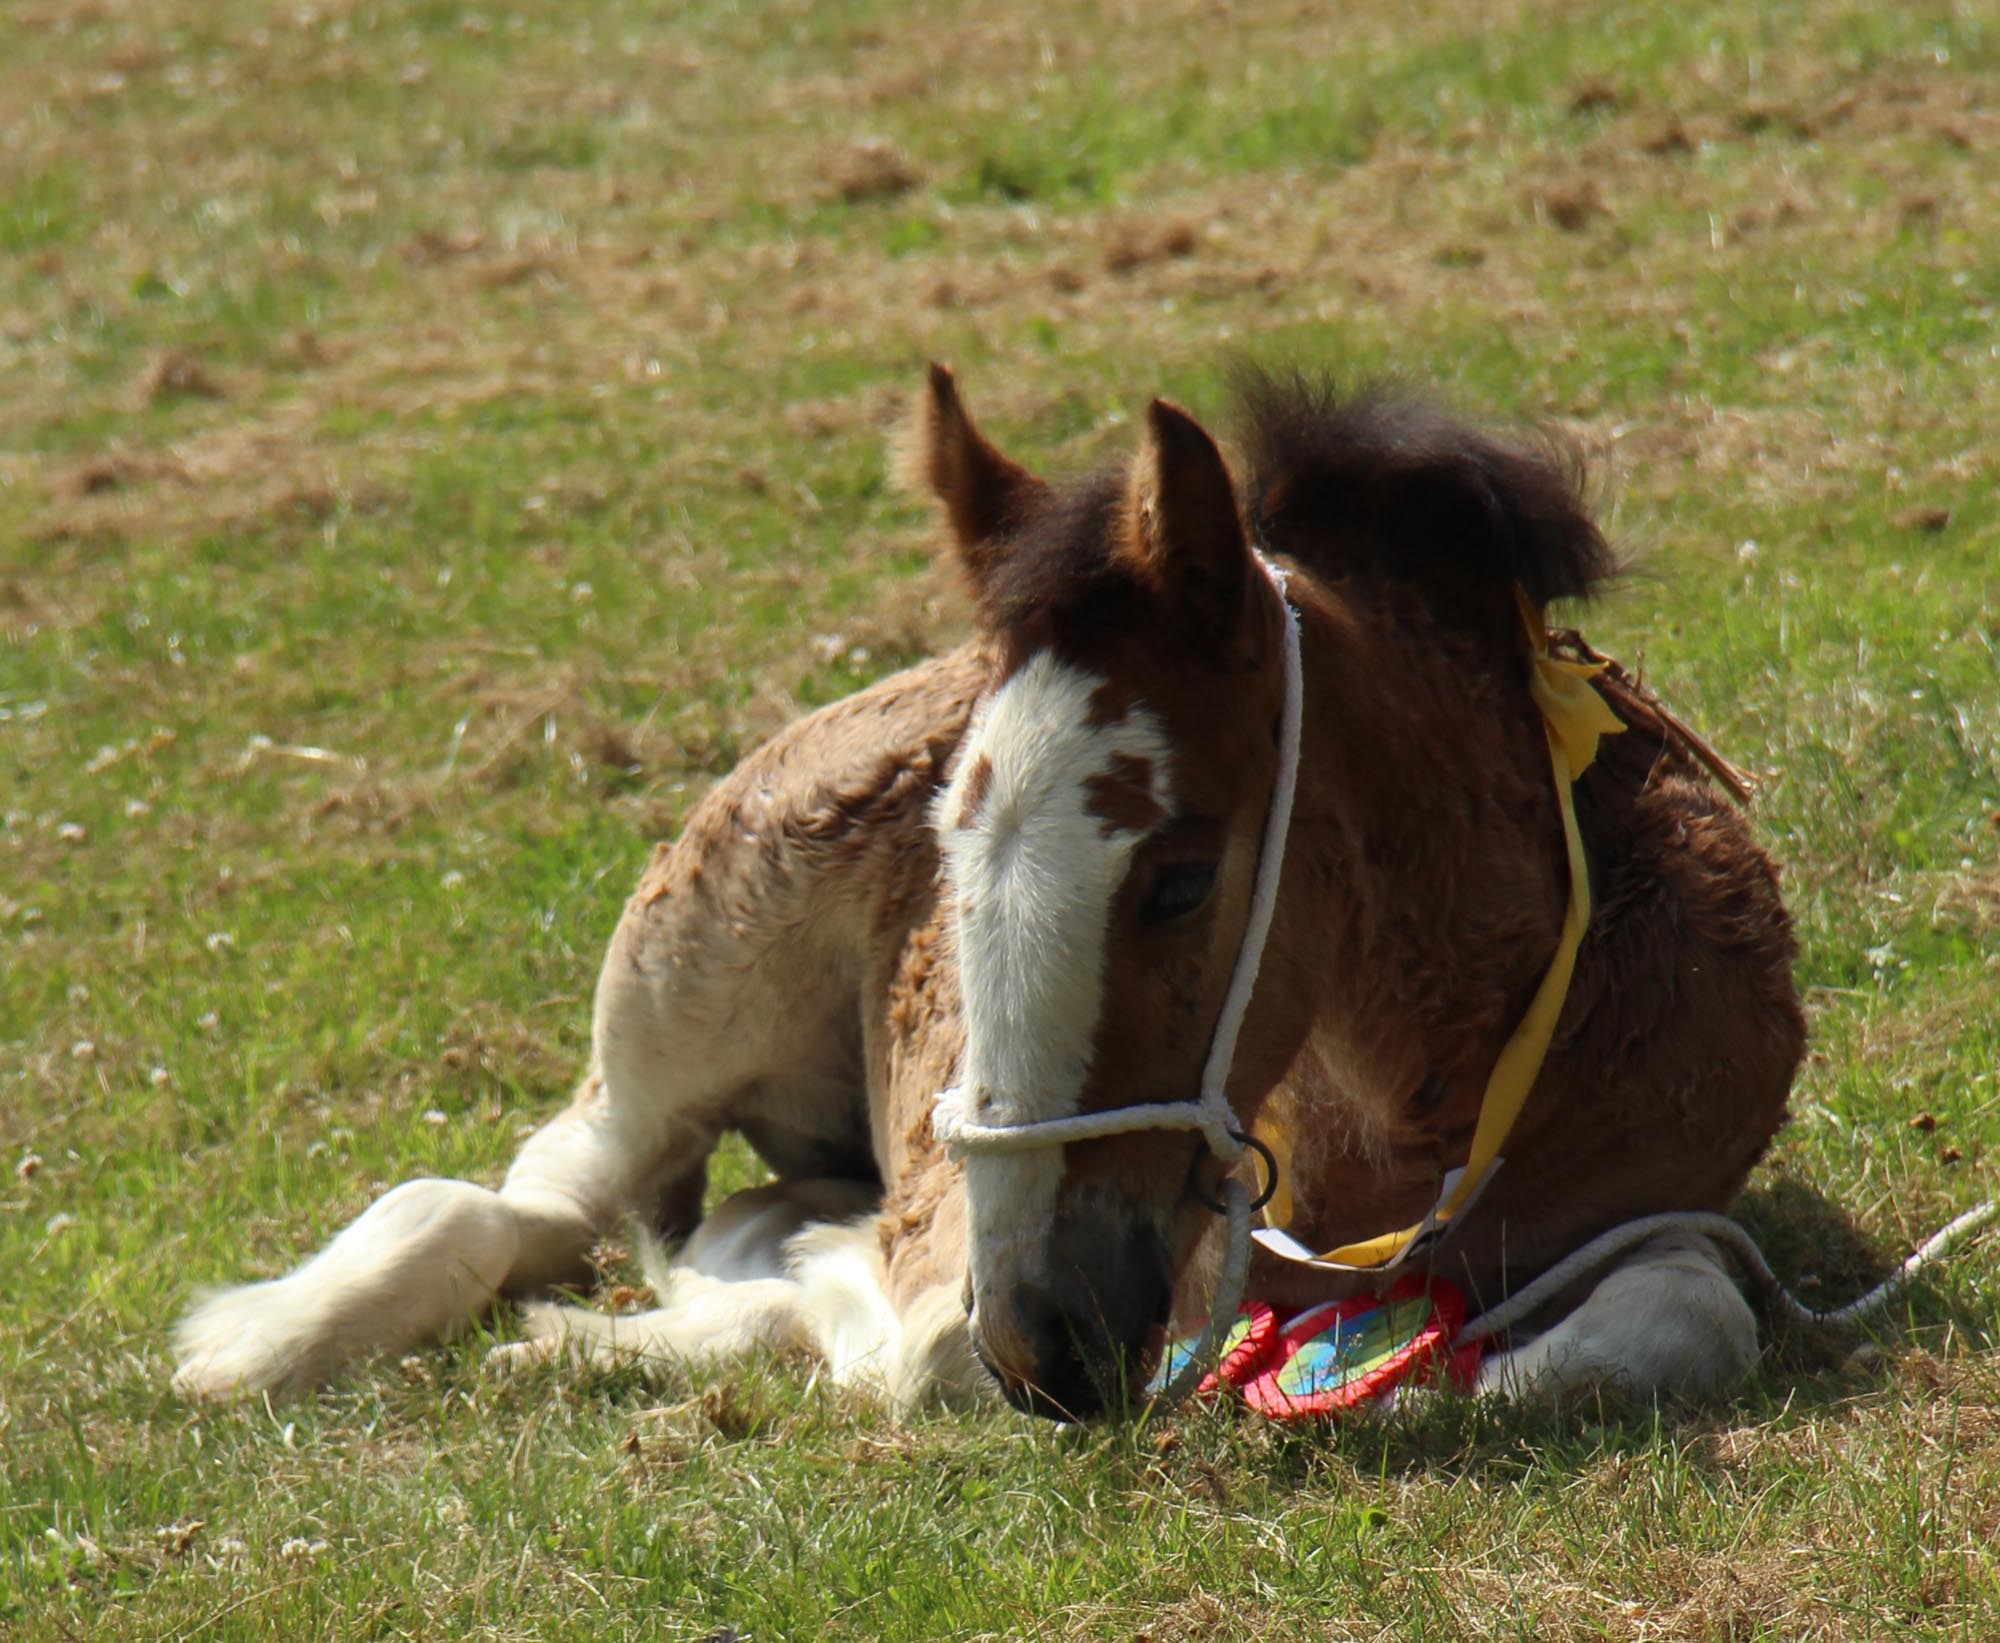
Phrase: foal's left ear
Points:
(1185, 528)
(983, 493)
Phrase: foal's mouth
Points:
(1092, 1380)
(1109, 1396)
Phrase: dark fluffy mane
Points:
(1384, 485)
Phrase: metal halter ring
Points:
(1250, 1144)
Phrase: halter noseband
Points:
(1209, 1113)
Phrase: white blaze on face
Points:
(1033, 871)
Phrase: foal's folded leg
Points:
(706, 1323)
(429, 1257)
(935, 1366)
(421, 1262)
(1667, 1321)
(735, 1287)
(765, 1273)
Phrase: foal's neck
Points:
(1429, 836)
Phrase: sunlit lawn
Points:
(436, 441)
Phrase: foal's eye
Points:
(1177, 891)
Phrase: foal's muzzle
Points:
(1095, 1326)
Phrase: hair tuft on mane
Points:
(1384, 484)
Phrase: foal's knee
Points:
(1669, 1321)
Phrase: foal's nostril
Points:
(1065, 1388)
(1067, 1383)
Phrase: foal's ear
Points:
(983, 493)
(1185, 527)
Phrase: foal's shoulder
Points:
(903, 727)
(842, 773)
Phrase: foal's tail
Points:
(419, 1264)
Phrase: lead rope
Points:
(1525, 1301)
(1211, 1112)
(1234, 1277)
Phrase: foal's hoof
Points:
(570, 1335)
(519, 1358)
(547, 1340)
(505, 1362)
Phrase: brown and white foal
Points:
(1022, 872)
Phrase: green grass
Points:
(494, 401)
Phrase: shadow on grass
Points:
(1818, 1252)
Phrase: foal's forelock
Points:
(1054, 791)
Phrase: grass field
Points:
(436, 440)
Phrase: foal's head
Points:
(1100, 839)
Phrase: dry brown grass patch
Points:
(870, 168)
(1571, 206)
(1133, 245)
(177, 374)
(114, 469)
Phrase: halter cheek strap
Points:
(1210, 1113)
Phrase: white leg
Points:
(756, 1275)
(765, 1273)
(1668, 1321)
(704, 1323)
(423, 1258)
(418, 1264)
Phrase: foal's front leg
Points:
(793, 1266)
(924, 1273)
(732, 1289)
(1667, 1321)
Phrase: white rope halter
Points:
(1209, 1113)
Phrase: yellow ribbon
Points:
(1273, 1132)
(1574, 716)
